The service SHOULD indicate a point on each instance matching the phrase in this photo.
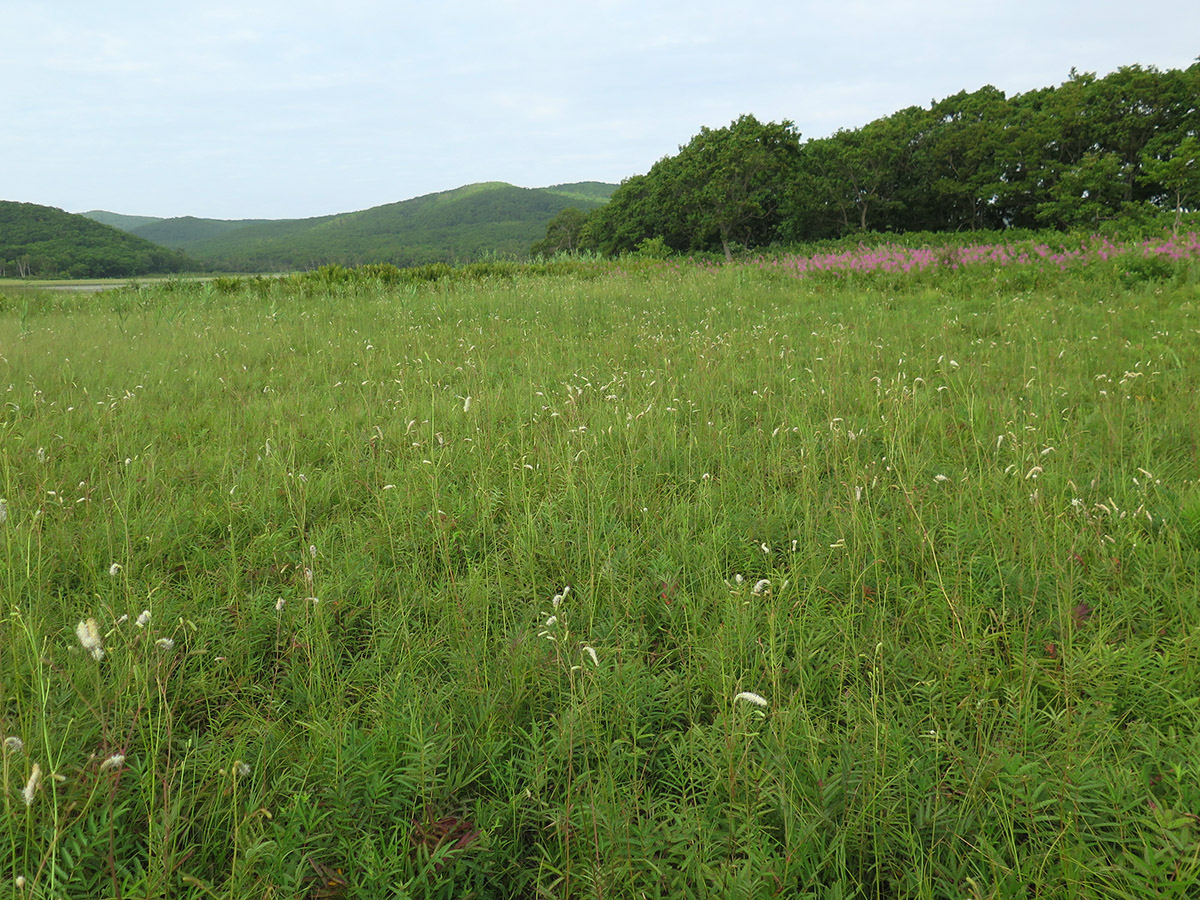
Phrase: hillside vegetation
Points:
(41, 241)
(460, 225)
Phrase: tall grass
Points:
(947, 529)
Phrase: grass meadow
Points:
(666, 581)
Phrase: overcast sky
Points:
(290, 108)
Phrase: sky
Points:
(290, 108)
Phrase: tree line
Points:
(1073, 156)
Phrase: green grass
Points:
(975, 504)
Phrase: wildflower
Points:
(762, 586)
(939, 478)
(143, 619)
(88, 633)
(114, 569)
(13, 744)
(592, 653)
(467, 403)
(279, 604)
(165, 644)
(3, 512)
(113, 762)
(20, 882)
(31, 786)
(1033, 473)
(241, 769)
(551, 621)
(752, 698)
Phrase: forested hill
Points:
(42, 241)
(1087, 152)
(452, 226)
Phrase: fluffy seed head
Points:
(752, 698)
(88, 633)
(31, 786)
(113, 762)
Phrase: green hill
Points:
(42, 241)
(588, 191)
(117, 220)
(451, 226)
(185, 232)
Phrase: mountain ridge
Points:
(456, 225)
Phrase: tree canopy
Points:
(1090, 150)
(44, 241)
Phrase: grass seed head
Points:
(88, 633)
(113, 762)
(32, 785)
(752, 698)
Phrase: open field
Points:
(881, 584)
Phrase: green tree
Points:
(562, 233)
(731, 181)
(1085, 192)
(725, 186)
(960, 161)
(1178, 175)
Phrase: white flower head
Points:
(752, 698)
(940, 478)
(31, 786)
(114, 569)
(88, 633)
(165, 644)
(3, 511)
(762, 586)
(590, 651)
(241, 769)
(467, 403)
(279, 604)
(143, 620)
(113, 762)
(13, 744)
